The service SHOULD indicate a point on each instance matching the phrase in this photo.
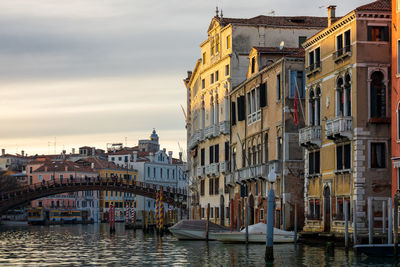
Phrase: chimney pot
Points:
(3, 152)
(331, 14)
(23, 153)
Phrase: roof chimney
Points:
(134, 156)
(180, 156)
(23, 153)
(3, 152)
(331, 14)
(93, 151)
(170, 157)
(73, 151)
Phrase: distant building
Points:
(13, 162)
(40, 171)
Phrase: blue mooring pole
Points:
(269, 250)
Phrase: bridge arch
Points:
(23, 195)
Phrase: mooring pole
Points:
(208, 220)
(346, 225)
(238, 217)
(370, 221)
(295, 224)
(383, 217)
(231, 214)
(390, 221)
(269, 251)
(354, 222)
(396, 224)
(247, 221)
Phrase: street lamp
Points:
(269, 250)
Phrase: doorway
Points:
(327, 209)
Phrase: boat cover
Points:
(198, 225)
(261, 228)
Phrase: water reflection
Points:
(93, 245)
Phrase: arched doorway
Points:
(222, 209)
(327, 209)
(251, 209)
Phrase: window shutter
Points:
(226, 151)
(241, 108)
(386, 33)
(211, 154)
(216, 153)
(233, 113)
(369, 37)
(263, 95)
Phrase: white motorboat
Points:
(195, 230)
(257, 234)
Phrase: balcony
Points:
(310, 136)
(196, 138)
(224, 127)
(214, 169)
(253, 173)
(211, 131)
(200, 171)
(208, 170)
(230, 180)
(339, 128)
(342, 53)
(224, 167)
(313, 68)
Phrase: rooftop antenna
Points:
(281, 45)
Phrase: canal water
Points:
(92, 245)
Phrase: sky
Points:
(95, 72)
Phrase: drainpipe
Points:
(283, 206)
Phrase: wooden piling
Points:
(247, 221)
(346, 225)
(238, 218)
(383, 217)
(390, 221)
(231, 214)
(354, 222)
(370, 221)
(295, 224)
(208, 221)
(396, 224)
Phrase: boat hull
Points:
(191, 234)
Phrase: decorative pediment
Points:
(215, 22)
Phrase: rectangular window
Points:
(378, 33)
(216, 186)
(210, 186)
(227, 70)
(40, 178)
(253, 64)
(233, 113)
(202, 212)
(226, 151)
(263, 95)
(339, 45)
(261, 214)
(203, 83)
(204, 58)
(378, 155)
(202, 157)
(311, 59)
(314, 162)
(202, 189)
(217, 212)
(241, 108)
(211, 154)
(216, 160)
(318, 57)
(347, 41)
(343, 157)
(212, 78)
(302, 39)
(211, 213)
(216, 76)
(278, 87)
(228, 42)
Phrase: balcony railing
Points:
(313, 68)
(342, 53)
(253, 172)
(224, 127)
(230, 180)
(208, 170)
(200, 171)
(214, 169)
(211, 131)
(253, 117)
(275, 166)
(339, 127)
(224, 167)
(196, 138)
(310, 136)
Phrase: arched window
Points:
(266, 148)
(347, 95)
(378, 95)
(339, 97)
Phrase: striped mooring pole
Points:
(127, 214)
(157, 210)
(161, 211)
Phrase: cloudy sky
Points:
(92, 72)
